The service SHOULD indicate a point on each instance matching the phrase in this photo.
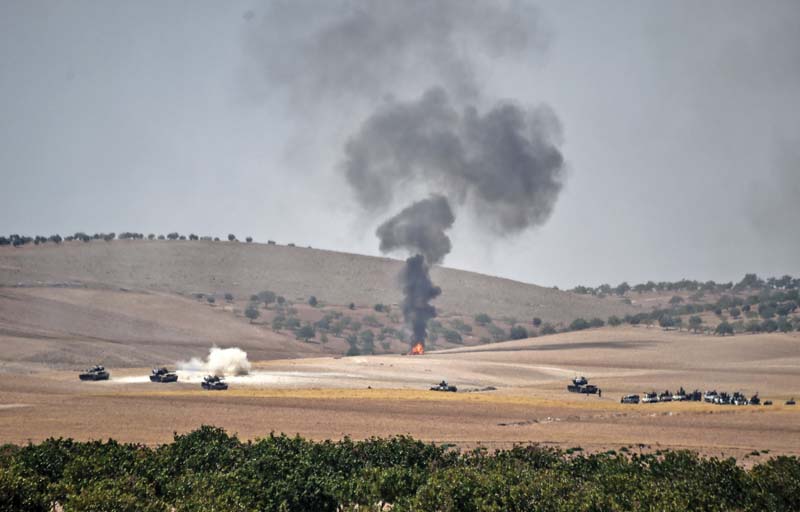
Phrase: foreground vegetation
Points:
(208, 470)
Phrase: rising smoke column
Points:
(498, 159)
(418, 292)
(420, 229)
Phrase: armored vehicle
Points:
(581, 385)
(790, 401)
(629, 399)
(163, 375)
(214, 383)
(95, 373)
(650, 398)
(444, 386)
(754, 400)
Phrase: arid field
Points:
(365, 396)
(134, 305)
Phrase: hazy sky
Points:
(679, 125)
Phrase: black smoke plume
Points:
(498, 159)
(420, 228)
(505, 164)
(418, 291)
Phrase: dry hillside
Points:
(242, 269)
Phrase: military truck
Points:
(163, 375)
(95, 373)
(214, 383)
(650, 398)
(680, 396)
(444, 386)
(739, 399)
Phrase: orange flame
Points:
(417, 350)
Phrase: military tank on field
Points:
(163, 375)
(214, 383)
(444, 386)
(581, 385)
(95, 373)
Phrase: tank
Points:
(581, 385)
(214, 383)
(95, 373)
(629, 399)
(163, 375)
(444, 386)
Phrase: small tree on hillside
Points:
(313, 302)
(695, 323)
(306, 332)
(229, 297)
(249, 239)
(252, 312)
(614, 321)
(547, 329)
(173, 236)
(518, 332)
(231, 237)
(537, 321)
(724, 328)
(267, 297)
(483, 319)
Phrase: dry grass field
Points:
(329, 397)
